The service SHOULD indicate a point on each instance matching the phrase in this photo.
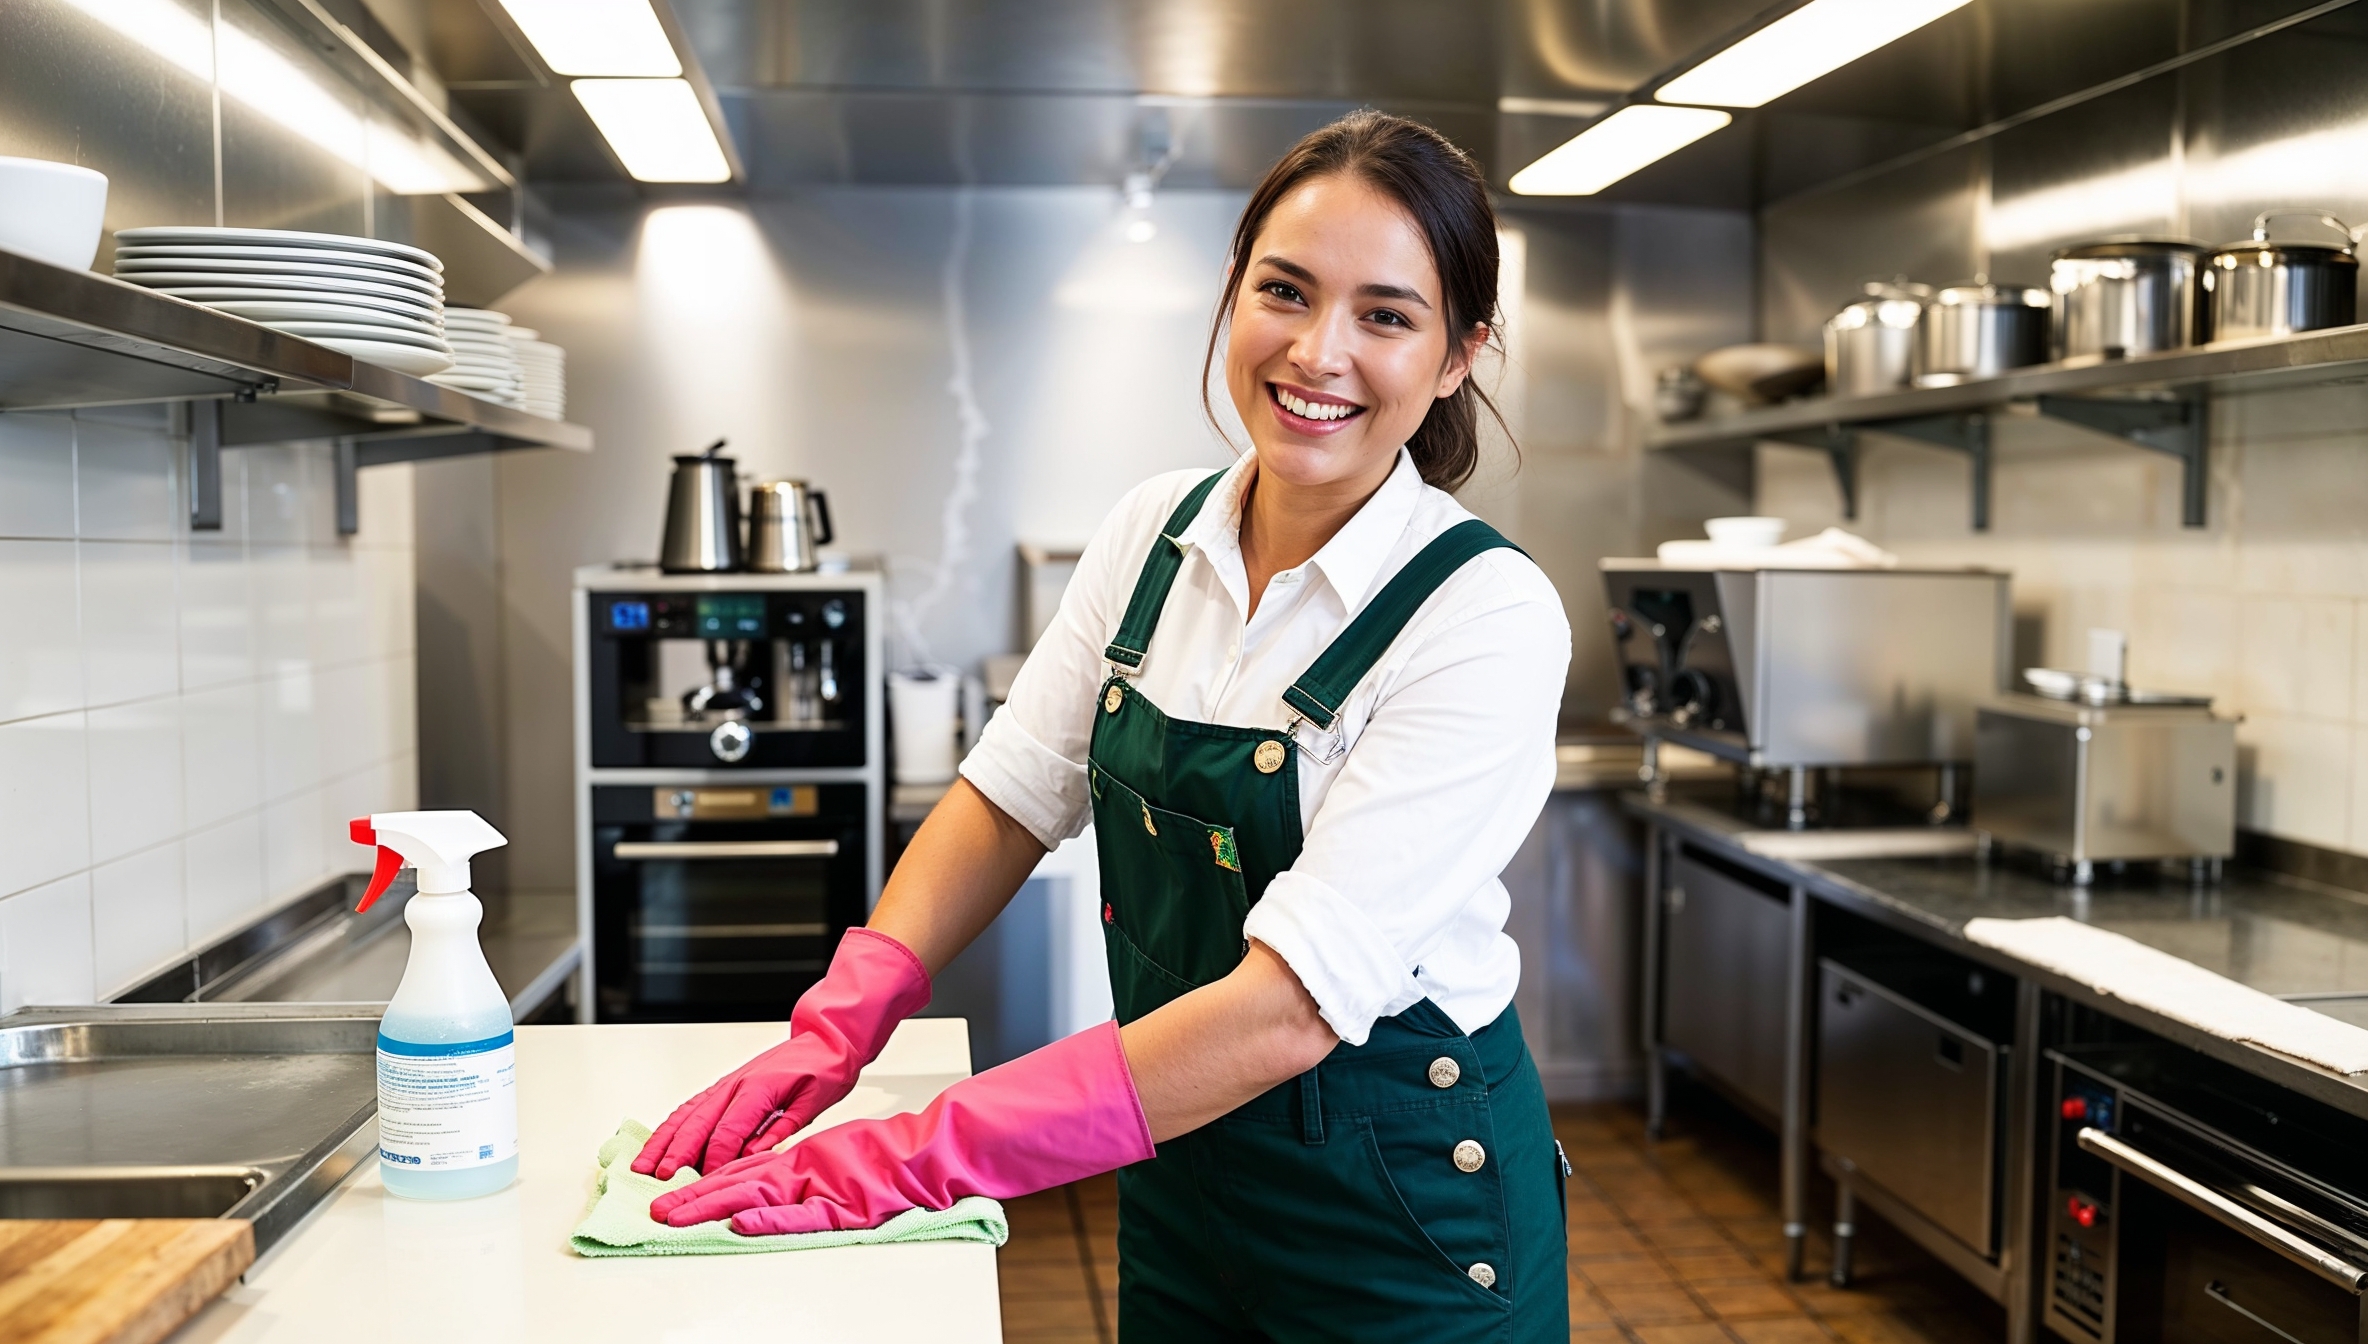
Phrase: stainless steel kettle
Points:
(702, 515)
(787, 520)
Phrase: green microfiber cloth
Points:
(618, 1221)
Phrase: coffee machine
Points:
(731, 785)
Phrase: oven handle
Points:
(727, 849)
(2334, 1269)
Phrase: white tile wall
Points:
(2265, 609)
(186, 719)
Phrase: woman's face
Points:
(1339, 342)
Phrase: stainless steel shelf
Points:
(2280, 361)
(75, 338)
(2159, 402)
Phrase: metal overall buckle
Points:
(1325, 744)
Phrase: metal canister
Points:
(1870, 346)
(2128, 296)
(2263, 288)
(1980, 330)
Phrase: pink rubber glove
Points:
(838, 1026)
(1057, 1115)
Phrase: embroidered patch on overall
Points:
(1221, 848)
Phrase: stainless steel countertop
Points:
(529, 940)
(2279, 935)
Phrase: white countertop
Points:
(370, 1267)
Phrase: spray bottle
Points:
(447, 1074)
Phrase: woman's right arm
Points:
(964, 866)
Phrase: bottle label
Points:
(447, 1107)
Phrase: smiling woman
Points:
(1312, 343)
(1307, 704)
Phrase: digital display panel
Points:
(628, 615)
(731, 615)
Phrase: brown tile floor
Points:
(1675, 1242)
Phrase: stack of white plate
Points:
(379, 301)
(545, 367)
(487, 365)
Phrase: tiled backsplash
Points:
(2265, 609)
(186, 719)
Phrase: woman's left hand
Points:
(1057, 1115)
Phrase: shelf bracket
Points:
(2177, 426)
(205, 466)
(349, 488)
(1840, 445)
(1966, 432)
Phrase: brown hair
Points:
(1440, 187)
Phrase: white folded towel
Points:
(2177, 988)
(1831, 549)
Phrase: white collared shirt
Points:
(1435, 771)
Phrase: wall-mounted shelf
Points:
(2159, 402)
(74, 338)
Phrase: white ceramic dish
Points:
(1745, 532)
(286, 310)
(358, 331)
(52, 212)
(317, 255)
(386, 354)
(131, 267)
(214, 296)
(208, 236)
(340, 284)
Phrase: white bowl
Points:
(1745, 532)
(51, 211)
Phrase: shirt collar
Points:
(1350, 561)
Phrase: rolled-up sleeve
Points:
(1444, 783)
(1030, 760)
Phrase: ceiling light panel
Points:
(596, 37)
(1811, 41)
(1615, 147)
(657, 127)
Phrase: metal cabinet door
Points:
(1910, 1100)
(1723, 979)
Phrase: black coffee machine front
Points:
(732, 785)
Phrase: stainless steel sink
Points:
(125, 1192)
(251, 1111)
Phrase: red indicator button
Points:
(2075, 1108)
(2082, 1212)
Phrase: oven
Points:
(2194, 1202)
(721, 903)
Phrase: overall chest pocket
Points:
(1172, 888)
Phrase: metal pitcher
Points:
(787, 521)
(702, 515)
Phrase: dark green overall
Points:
(1405, 1189)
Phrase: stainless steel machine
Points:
(1800, 669)
(731, 786)
(2090, 772)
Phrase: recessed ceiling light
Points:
(1811, 41)
(657, 127)
(1615, 147)
(596, 37)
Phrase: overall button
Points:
(1445, 1072)
(1483, 1274)
(1147, 823)
(1112, 700)
(1268, 758)
(1470, 1156)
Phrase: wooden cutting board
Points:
(114, 1280)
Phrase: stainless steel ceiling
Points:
(1030, 92)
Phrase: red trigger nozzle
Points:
(389, 862)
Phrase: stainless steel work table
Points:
(2306, 943)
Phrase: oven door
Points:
(720, 920)
(2216, 1247)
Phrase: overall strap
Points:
(1325, 685)
(1151, 586)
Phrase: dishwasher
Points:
(1910, 1098)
